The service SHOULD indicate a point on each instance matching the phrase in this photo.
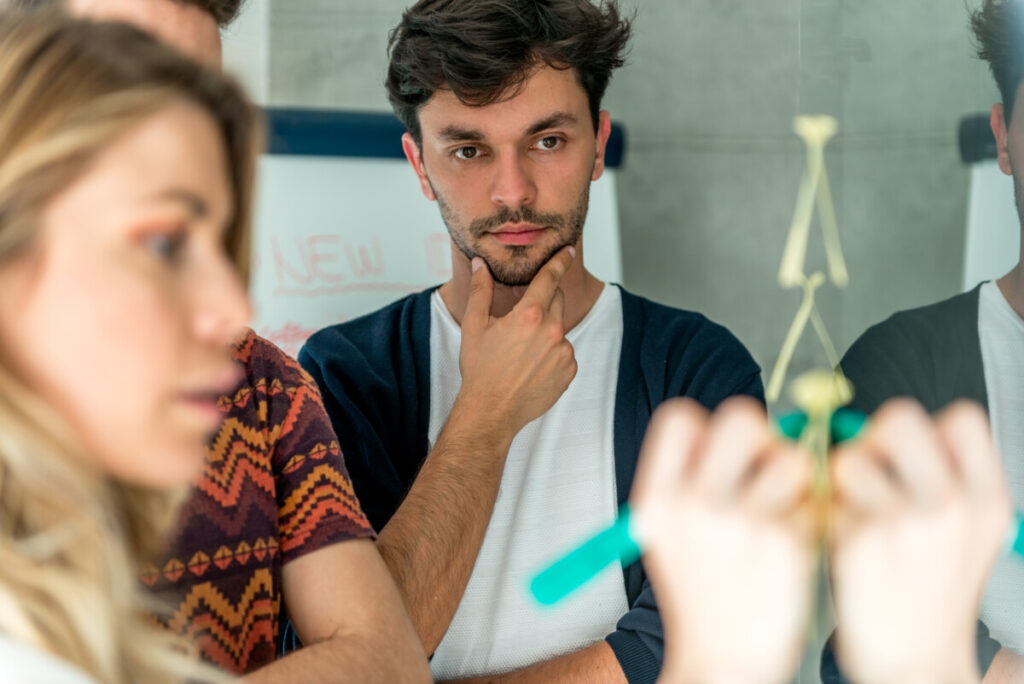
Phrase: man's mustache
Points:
(523, 215)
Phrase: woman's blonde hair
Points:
(71, 540)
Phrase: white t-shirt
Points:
(21, 663)
(557, 488)
(1001, 332)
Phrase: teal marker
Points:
(1015, 540)
(566, 575)
(619, 542)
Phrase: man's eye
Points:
(551, 142)
(467, 153)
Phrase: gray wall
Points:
(709, 192)
(708, 99)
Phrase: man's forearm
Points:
(596, 664)
(343, 659)
(431, 543)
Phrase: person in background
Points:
(970, 346)
(495, 420)
(920, 510)
(124, 193)
(272, 521)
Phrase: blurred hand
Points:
(515, 368)
(921, 511)
(723, 509)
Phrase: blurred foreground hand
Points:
(725, 517)
(724, 509)
(921, 511)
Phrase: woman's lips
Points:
(206, 403)
(206, 407)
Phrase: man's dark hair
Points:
(998, 27)
(484, 50)
(223, 11)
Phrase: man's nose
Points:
(512, 186)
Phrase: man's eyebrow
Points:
(195, 204)
(556, 120)
(458, 134)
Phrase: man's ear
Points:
(414, 153)
(1000, 129)
(604, 131)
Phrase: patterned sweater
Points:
(274, 488)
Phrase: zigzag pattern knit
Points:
(274, 488)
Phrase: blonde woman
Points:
(125, 185)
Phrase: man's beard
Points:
(516, 268)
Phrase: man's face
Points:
(512, 179)
(185, 27)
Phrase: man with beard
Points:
(970, 346)
(490, 423)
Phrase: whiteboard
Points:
(337, 237)
(992, 244)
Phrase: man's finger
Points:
(481, 292)
(544, 285)
(558, 306)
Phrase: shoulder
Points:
(265, 363)
(936, 317)
(370, 333)
(914, 331)
(930, 353)
(679, 330)
(696, 356)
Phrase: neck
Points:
(580, 287)
(1012, 284)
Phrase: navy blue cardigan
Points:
(931, 353)
(374, 373)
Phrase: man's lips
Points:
(518, 234)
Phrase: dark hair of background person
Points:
(998, 27)
(484, 50)
(223, 11)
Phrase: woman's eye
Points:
(166, 246)
(549, 143)
(467, 153)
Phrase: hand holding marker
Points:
(623, 540)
